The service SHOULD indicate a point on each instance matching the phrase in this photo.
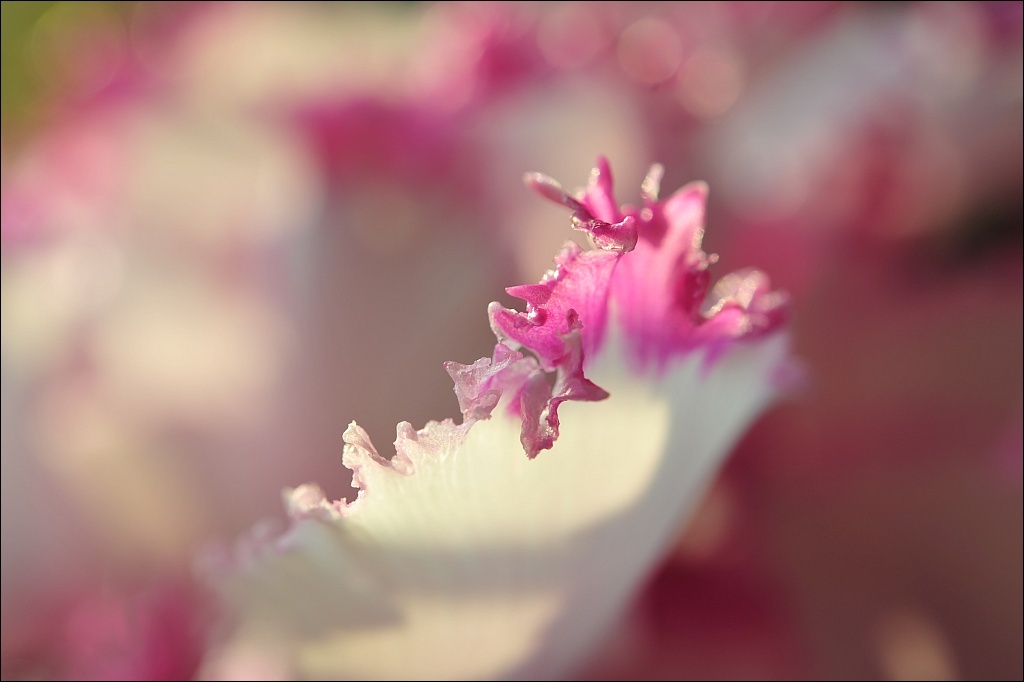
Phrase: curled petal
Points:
(548, 187)
(619, 237)
(617, 233)
(579, 282)
(743, 304)
(539, 402)
(475, 385)
(485, 564)
(460, 557)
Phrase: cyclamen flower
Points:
(471, 552)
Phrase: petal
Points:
(460, 558)
(473, 561)
(610, 230)
(598, 196)
(580, 284)
(476, 385)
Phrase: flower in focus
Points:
(474, 552)
(221, 222)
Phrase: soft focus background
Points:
(230, 229)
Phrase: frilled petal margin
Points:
(463, 558)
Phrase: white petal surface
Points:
(482, 563)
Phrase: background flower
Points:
(186, 195)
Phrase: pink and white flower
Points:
(461, 557)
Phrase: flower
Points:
(473, 552)
(185, 297)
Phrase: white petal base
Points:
(485, 564)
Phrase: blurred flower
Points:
(474, 560)
(152, 632)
